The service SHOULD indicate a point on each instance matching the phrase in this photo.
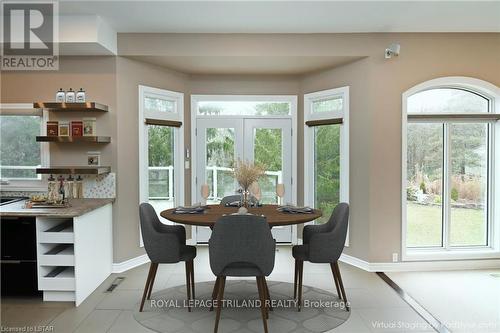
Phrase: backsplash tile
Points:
(97, 187)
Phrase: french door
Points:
(221, 141)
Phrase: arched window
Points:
(449, 153)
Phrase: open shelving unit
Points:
(74, 170)
(100, 139)
(71, 107)
(74, 139)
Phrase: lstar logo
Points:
(30, 36)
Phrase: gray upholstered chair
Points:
(229, 199)
(242, 245)
(323, 244)
(232, 198)
(165, 244)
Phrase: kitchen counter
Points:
(77, 207)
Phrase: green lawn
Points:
(424, 226)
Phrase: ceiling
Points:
(291, 16)
(275, 65)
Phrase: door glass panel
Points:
(326, 169)
(328, 105)
(220, 162)
(239, 108)
(161, 167)
(449, 100)
(469, 173)
(424, 166)
(268, 152)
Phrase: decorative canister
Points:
(52, 193)
(60, 96)
(80, 96)
(64, 128)
(89, 125)
(52, 128)
(76, 128)
(70, 96)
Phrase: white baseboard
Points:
(409, 266)
(129, 264)
(420, 265)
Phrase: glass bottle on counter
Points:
(60, 189)
(52, 189)
(69, 187)
(78, 188)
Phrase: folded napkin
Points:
(189, 210)
(295, 210)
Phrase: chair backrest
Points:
(242, 239)
(333, 239)
(161, 246)
(230, 198)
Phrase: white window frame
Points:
(342, 92)
(177, 115)
(40, 184)
(492, 93)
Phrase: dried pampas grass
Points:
(246, 173)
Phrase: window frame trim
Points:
(492, 93)
(35, 185)
(309, 115)
(177, 116)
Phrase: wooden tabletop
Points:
(214, 212)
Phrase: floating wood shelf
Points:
(74, 139)
(75, 170)
(71, 107)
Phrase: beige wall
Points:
(375, 84)
(131, 74)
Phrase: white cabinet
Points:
(74, 255)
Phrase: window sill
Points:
(458, 254)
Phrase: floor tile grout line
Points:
(114, 321)
(437, 325)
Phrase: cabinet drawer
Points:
(57, 278)
(55, 231)
(56, 255)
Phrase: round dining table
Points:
(212, 213)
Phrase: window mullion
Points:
(447, 185)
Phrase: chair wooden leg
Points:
(341, 284)
(295, 275)
(263, 297)
(146, 287)
(268, 296)
(215, 292)
(336, 280)
(220, 294)
(260, 287)
(192, 278)
(188, 285)
(301, 271)
(152, 279)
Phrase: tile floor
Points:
(375, 306)
(465, 301)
